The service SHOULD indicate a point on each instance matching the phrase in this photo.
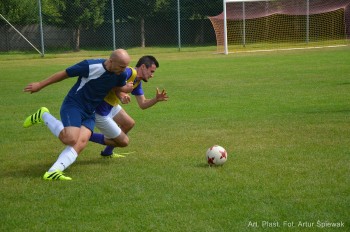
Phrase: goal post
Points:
(246, 25)
(225, 20)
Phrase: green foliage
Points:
(51, 13)
(76, 14)
(16, 11)
(282, 116)
(82, 14)
(141, 9)
(190, 9)
(201, 9)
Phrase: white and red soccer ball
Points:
(216, 155)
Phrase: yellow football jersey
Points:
(112, 98)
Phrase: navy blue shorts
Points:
(72, 115)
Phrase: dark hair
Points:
(148, 61)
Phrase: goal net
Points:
(279, 24)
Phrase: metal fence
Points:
(174, 28)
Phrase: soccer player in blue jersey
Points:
(96, 77)
(112, 120)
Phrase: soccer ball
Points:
(216, 155)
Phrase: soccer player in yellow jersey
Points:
(112, 120)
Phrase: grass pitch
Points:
(283, 117)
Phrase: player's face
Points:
(147, 73)
(118, 66)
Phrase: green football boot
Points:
(116, 155)
(35, 118)
(56, 175)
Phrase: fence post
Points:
(178, 24)
(244, 30)
(113, 24)
(225, 29)
(307, 21)
(41, 30)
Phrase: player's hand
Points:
(161, 96)
(128, 87)
(124, 98)
(32, 87)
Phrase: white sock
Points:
(52, 123)
(66, 158)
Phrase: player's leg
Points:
(43, 115)
(70, 153)
(67, 157)
(64, 160)
(124, 120)
(111, 134)
(103, 123)
(35, 118)
(73, 118)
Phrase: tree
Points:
(16, 11)
(200, 9)
(139, 12)
(76, 14)
(191, 10)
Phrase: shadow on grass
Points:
(34, 170)
(204, 165)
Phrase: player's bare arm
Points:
(146, 103)
(37, 86)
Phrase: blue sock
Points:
(98, 138)
(108, 150)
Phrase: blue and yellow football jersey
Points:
(112, 100)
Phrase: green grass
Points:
(283, 117)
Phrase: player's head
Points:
(147, 61)
(146, 66)
(118, 61)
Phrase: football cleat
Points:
(116, 155)
(56, 175)
(35, 118)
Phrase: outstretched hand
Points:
(161, 96)
(32, 87)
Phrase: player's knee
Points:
(121, 141)
(71, 141)
(67, 139)
(130, 125)
(124, 142)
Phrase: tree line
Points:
(86, 14)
